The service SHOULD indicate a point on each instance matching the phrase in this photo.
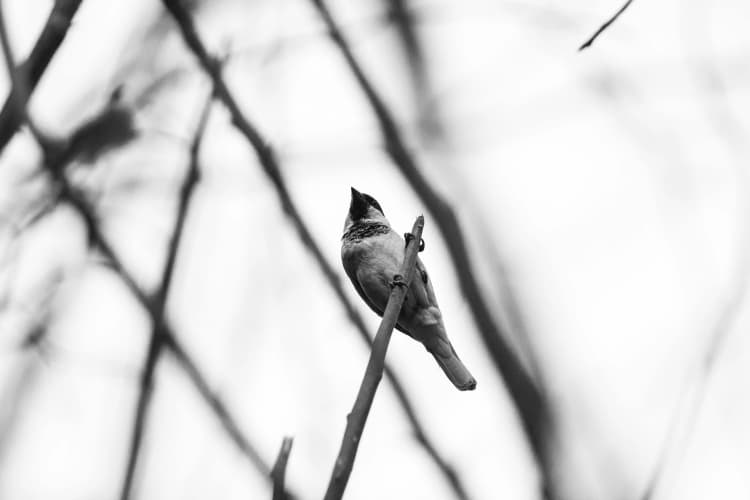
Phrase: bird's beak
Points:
(358, 205)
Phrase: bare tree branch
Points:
(604, 26)
(19, 91)
(111, 128)
(217, 405)
(55, 158)
(279, 470)
(32, 69)
(213, 401)
(270, 166)
(528, 398)
(183, 359)
(158, 333)
(403, 18)
(355, 421)
(404, 21)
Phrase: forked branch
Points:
(278, 473)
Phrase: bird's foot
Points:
(408, 237)
(398, 280)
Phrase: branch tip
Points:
(604, 26)
(278, 473)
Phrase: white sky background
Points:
(610, 183)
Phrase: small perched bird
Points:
(372, 254)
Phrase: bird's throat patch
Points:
(361, 230)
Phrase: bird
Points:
(372, 254)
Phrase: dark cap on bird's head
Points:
(360, 203)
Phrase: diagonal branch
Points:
(279, 470)
(55, 160)
(217, 405)
(355, 421)
(528, 398)
(159, 337)
(31, 70)
(604, 26)
(211, 399)
(19, 94)
(403, 17)
(270, 166)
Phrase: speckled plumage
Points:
(372, 253)
(360, 230)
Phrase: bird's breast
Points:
(382, 252)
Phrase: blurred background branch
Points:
(31, 70)
(158, 307)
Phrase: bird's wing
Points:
(374, 298)
(422, 287)
(352, 273)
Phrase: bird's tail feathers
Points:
(454, 369)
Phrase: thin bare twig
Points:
(355, 421)
(279, 470)
(31, 70)
(604, 26)
(158, 337)
(270, 166)
(525, 393)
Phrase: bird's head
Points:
(364, 208)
